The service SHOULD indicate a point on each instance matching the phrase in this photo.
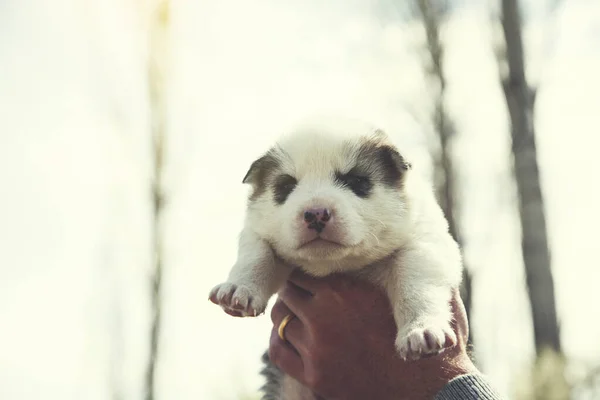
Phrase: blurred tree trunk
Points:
(520, 99)
(156, 82)
(432, 14)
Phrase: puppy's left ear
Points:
(401, 161)
(260, 169)
(393, 163)
(389, 153)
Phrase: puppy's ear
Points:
(398, 159)
(253, 170)
(388, 152)
(260, 169)
(393, 164)
(379, 157)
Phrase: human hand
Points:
(340, 344)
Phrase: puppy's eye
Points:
(359, 184)
(283, 186)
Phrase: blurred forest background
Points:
(126, 127)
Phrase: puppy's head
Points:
(330, 197)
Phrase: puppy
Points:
(337, 196)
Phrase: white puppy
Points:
(337, 196)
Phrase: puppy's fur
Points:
(378, 220)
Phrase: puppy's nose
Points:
(317, 218)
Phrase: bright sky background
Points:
(74, 168)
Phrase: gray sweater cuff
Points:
(468, 387)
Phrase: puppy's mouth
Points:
(320, 243)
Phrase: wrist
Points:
(449, 369)
(427, 377)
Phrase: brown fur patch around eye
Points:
(379, 159)
(283, 186)
(260, 172)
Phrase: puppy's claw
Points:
(238, 300)
(417, 342)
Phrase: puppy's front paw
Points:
(414, 342)
(238, 300)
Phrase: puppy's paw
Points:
(238, 300)
(414, 342)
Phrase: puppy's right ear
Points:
(260, 169)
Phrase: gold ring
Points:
(283, 324)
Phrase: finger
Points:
(285, 356)
(460, 323)
(279, 311)
(304, 281)
(296, 299)
(294, 329)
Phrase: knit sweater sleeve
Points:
(468, 387)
